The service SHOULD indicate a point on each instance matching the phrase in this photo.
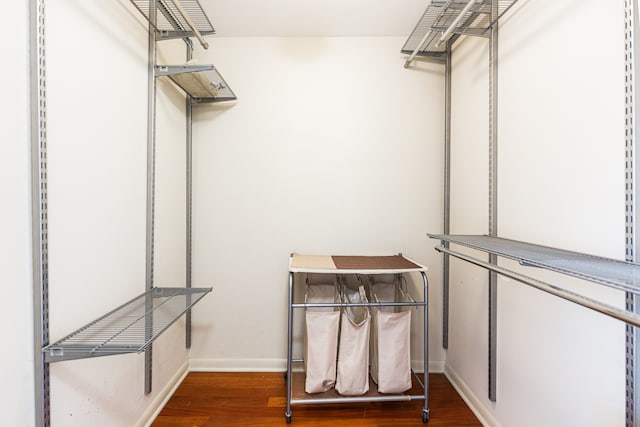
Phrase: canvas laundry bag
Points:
(390, 340)
(353, 350)
(321, 337)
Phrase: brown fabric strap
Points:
(372, 262)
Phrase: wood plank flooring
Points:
(206, 399)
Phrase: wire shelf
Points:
(130, 328)
(203, 83)
(440, 15)
(170, 22)
(605, 271)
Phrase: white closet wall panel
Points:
(170, 212)
(97, 152)
(560, 183)
(16, 312)
(468, 324)
(568, 193)
(332, 148)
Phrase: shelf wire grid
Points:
(605, 271)
(169, 18)
(439, 16)
(130, 328)
(196, 86)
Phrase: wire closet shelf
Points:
(174, 18)
(184, 19)
(620, 275)
(130, 328)
(612, 273)
(443, 19)
(203, 83)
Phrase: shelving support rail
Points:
(621, 275)
(130, 328)
(364, 265)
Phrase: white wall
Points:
(97, 133)
(332, 148)
(16, 315)
(324, 153)
(560, 183)
(468, 293)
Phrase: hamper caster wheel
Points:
(288, 418)
(425, 417)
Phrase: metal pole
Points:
(287, 413)
(39, 218)
(455, 22)
(425, 408)
(189, 192)
(632, 347)
(616, 313)
(187, 18)
(493, 200)
(447, 195)
(151, 159)
(411, 57)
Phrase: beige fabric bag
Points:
(320, 338)
(353, 351)
(390, 340)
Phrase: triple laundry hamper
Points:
(357, 331)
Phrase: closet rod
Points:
(424, 39)
(415, 51)
(187, 18)
(455, 22)
(616, 313)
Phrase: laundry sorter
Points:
(305, 266)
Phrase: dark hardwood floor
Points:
(208, 399)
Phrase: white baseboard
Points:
(274, 365)
(237, 365)
(481, 412)
(161, 399)
(435, 367)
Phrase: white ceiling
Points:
(237, 18)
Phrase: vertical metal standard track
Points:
(287, 413)
(151, 163)
(189, 192)
(425, 408)
(493, 199)
(39, 218)
(447, 195)
(631, 249)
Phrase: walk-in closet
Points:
(335, 198)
